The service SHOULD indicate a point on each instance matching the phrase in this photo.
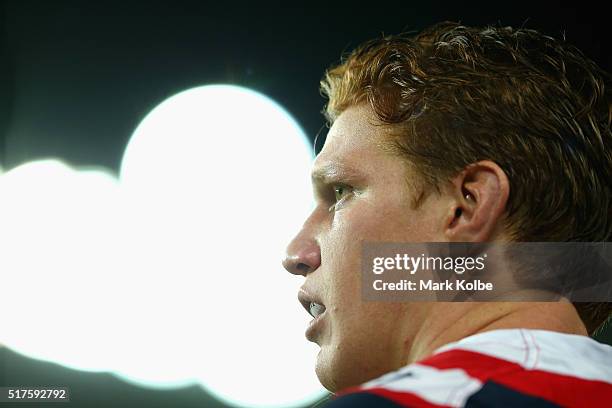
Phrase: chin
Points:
(338, 369)
(327, 375)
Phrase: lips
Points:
(315, 307)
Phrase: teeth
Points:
(316, 309)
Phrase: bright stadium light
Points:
(171, 274)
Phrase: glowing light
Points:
(171, 274)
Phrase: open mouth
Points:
(313, 306)
(316, 309)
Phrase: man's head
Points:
(457, 134)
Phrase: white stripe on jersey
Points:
(559, 353)
(451, 387)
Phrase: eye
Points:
(341, 192)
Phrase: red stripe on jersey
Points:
(558, 388)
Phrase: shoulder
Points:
(507, 367)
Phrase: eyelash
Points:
(337, 200)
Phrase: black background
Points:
(76, 78)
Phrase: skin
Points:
(366, 188)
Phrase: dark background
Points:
(76, 78)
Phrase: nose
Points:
(303, 255)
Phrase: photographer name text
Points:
(432, 285)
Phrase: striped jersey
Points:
(499, 368)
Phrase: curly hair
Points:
(531, 103)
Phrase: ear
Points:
(479, 197)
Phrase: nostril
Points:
(302, 268)
(302, 258)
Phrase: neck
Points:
(465, 319)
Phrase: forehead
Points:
(355, 140)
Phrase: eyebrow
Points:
(332, 171)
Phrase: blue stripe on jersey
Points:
(493, 395)
(361, 400)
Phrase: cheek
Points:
(360, 323)
(363, 341)
(363, 221)
(341, 247)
